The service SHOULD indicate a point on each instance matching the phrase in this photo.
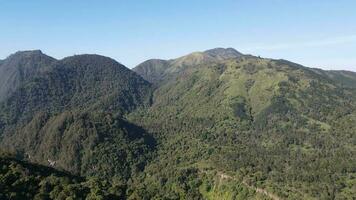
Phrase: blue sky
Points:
(318, 33)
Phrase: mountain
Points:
(156, 70)
(216, 124)
(19, 67)
(86, 82)
(72, 114)
(86, 144)
(273, 125)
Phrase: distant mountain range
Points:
(216, 124)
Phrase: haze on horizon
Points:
(316, 34)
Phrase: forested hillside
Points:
(272, 123)
(23, 180)
(71, 115)
(20, 67)
(343, 78)
(209, 125)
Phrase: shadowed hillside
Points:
(70, 116)
(20, 67)
(23, 180)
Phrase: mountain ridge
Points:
(72, 113)
(248, 113)
(155, 73)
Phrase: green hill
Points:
(23, 180)
(19, 67)
(72, 114)
(156, 70)
(272, 124)
(88, 82)
(87, 144)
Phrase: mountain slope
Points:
(156, 70)
(271, 123)
(19, 67)
(344, 78)
(152, 70)
(72, 114)
(87, 144)
(23, 180)
(88, 82)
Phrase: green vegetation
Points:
(22, 180)
(343, 78)
(70, 116)
(157, 71)
(87, 144)
(273, 123)
(20, 67)
(213, 125)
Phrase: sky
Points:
(315, 33)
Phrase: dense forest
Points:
(209, 125)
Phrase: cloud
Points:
(308, 44)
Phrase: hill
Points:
(19, 67)
(71, 114)
(86, 81)
(273, 124)
(155, 70)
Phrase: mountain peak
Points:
(223, 52)
(154, 70)
(88, 57)
(27, 53)
(36, 51)
(93, 61)
(22, 58)
(20, 66)
(207, 56)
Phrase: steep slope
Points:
(86, 82)
(71, 116)
(152, 70)
(272, 124)
(87, 144)
(19, 67)
(156, 70)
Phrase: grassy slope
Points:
(262, 119)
